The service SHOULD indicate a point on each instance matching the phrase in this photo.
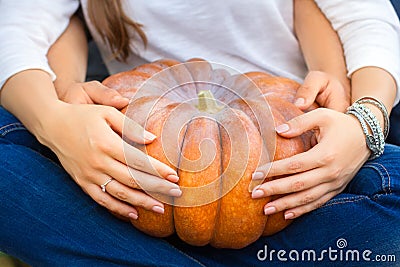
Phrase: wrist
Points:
(31, 97)
(377, 111)
(62, 86)
(357, 125)
(375, 133)
(46, 119)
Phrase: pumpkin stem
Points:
(207, 102)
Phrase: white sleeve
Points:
(370, 34)
(27, 30)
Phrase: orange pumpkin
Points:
(215, 127)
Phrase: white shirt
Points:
(246, 35)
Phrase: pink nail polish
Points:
(133, 216)
(282, 128)
(175, 192)
(299, 102)
(117, 98)
(173, 178)
(257, 193)
(149, 136)
(158, 209)
(258, 175)
(289, 215)
(269, 210)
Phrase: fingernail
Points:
(282, 128)
(149, 136)
(257, 193)
(289, 215)
(158, 209)
(299, 102)
(175, 192)
(173, 178)
(133, 216)
(269, 210)
(258, 176)
(117, 97)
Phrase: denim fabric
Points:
(394, 134)
(396, 5)
(47, 220)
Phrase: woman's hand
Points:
(314, 177)
(323, 89)
(86, 139)
(92, 92)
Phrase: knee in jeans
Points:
(375, 178)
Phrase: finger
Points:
(297, 199)
(134, 197)
(134, 178)
(127, 127)
(137, 159)
(76, 96)
(306, 95)
(295, 164)
(334, 96)
(290, 184)
(308, 121)
(131, 156)
(103, 95)
(154, 184)
(110, 203)
(301, 210)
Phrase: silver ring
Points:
(103, 186)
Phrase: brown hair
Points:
(111, 22)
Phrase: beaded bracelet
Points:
(369, 138)
(373, 101)
(375, 138)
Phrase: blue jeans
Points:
(394, 133)
(47, 220)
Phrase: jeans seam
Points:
(383, 172)
(17, 126)
(345, 200)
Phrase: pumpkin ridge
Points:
(200, 183)
(221, 166)
(234, 230)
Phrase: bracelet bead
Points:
(371, 127)
(373, 101)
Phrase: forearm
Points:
(31, 97)
(68, 56)
(370, 32)
(320, 44)
(377, 83)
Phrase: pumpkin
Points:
(215, 127)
